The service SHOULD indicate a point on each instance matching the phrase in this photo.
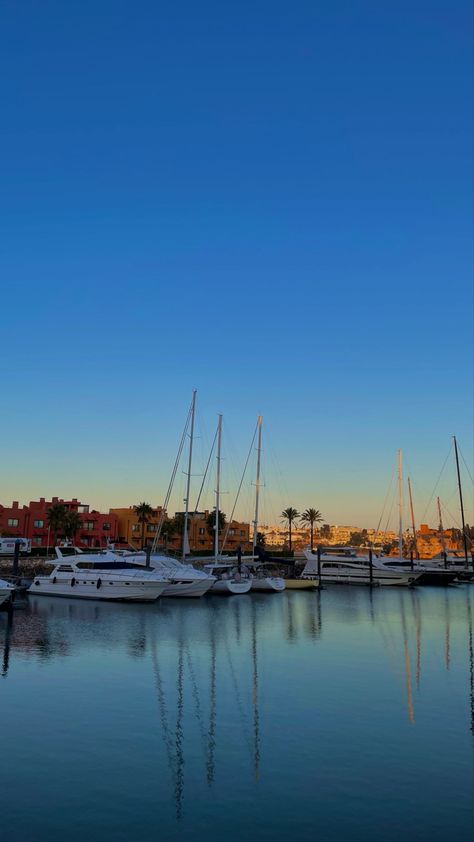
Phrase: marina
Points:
(332, 708)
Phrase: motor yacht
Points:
(184, 580)
(99, 576)
(349, 569)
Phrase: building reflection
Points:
(204, 659)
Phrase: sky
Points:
(270, 202)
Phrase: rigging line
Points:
(386, 500)
(436, 485)
(173, 476)
(465, 464)
(458, 524)
(239, 488)
(384, 533)
(205, 473)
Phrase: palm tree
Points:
(72, 523)
(169, 529)
(143, 512)
(312, 516)
(290, 515)
(56, 518)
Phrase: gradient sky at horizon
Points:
(270, 202)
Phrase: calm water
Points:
(340, 716)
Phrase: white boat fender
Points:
(99, 582)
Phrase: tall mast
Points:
(441, 528)
(464, 536)
(188, 482)
(400, 505)
(257, 483)
(412, 514)
(218, 487)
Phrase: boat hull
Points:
(116, 592)
(229, 587)
(301, 584)
(192, 589)
(268, 584)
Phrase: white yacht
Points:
(183, 579)
(353, 570)
(6, 591)
(99, 576)
(430, 574)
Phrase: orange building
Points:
(129, 531)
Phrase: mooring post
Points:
(445, 558)
(148, 554)
(239, 558)
(472, 560)
(16, 557)
(411, 559)
(371, 569)
(319, 565)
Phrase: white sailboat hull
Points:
(268, 584)
(195, 588)
(227, 587)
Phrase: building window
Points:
(38, 523)
(12, 521)
(231, 531)
(37, 540)
(136, 527)
(89, 525)
(242, 532)
(151, 527)
(201, 531)
(106, 527)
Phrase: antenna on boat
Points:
(400, 505)
(218, 487)
(464, 537)
(257, 484)
(185, 549)
(412, 514)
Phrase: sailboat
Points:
(228, 579)
(348, 568)
(430, 574)
(261, 578)
(455, 561)
(184, 579)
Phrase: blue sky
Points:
(270, 202)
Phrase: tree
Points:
(143, 512)
(71, 524)
(289, 515)
(56, 515)
(170, 528)
(325, 531)
(312, 516)
(211, 521)
(358, 539)
(261, 540)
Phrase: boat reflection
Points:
(207, 663)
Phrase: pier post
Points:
(445, 558)
(16, 557)
(319, 565)
(371, 569)
(411, 559)
(472, 560)
(148, 554)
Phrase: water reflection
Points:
(208, 664)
